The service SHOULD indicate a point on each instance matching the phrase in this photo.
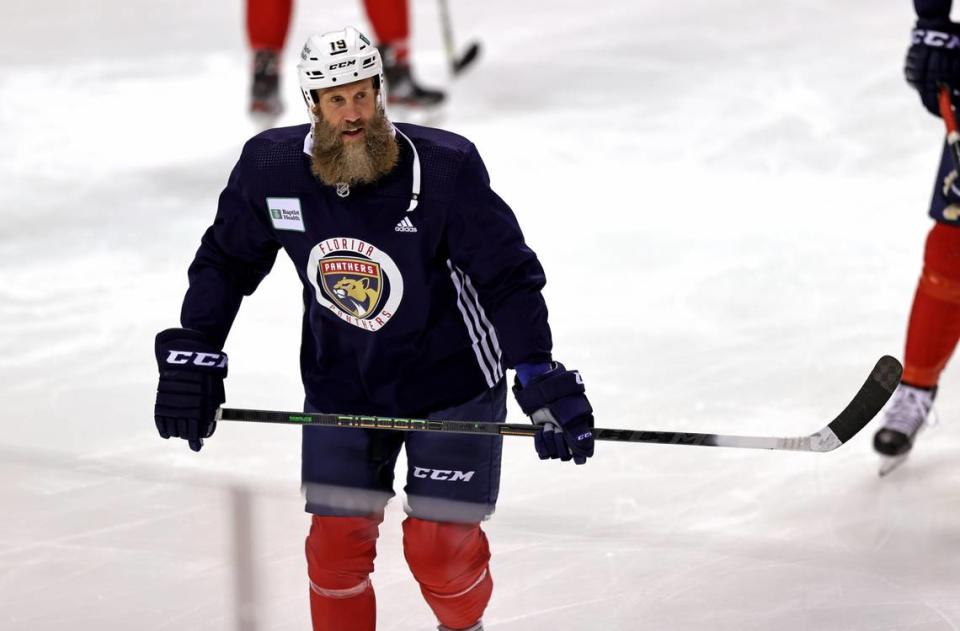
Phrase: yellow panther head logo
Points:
(357, 292)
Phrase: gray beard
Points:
(335, 161)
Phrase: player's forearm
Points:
(519, 315)
(218, 283)
(211, 304)
(932, 9)
(525, 342)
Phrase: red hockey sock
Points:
(267, 23)
(935, 318)
(340, 553)
(450, 561)
(391, 24)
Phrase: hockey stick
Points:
(457, 64)
(872, 396)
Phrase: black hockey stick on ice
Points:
(872, 396)
(457, 63)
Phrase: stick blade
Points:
(467, 59)
(873, 395)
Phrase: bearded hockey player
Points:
(418, 290)
(933, 59)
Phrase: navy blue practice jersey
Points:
(405, 311)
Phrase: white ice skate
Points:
(907, 414)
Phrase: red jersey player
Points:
(933, 60)
(268, 22)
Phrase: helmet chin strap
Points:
(415, 192)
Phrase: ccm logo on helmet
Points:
(343, 64)
(443, 475)
(936, 39)
(207, 360)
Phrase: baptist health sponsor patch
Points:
(285, 213)
(356, 281)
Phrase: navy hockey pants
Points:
(450, 477)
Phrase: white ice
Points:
(729, 197)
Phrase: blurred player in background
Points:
(933, 59)
(269, 20)
(419, 291)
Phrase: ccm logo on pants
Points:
(444, 475)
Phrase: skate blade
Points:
(889, 463)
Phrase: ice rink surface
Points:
(729, 198)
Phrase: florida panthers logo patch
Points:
(356, 281)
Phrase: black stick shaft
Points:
(868, 401)
(457, 63)
(447, 29)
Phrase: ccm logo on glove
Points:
(936, 39)
(209, 360)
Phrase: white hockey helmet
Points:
(337, 58)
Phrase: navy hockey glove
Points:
(933, 58)
(556, 401)
(191, 385)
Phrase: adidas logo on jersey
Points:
(405, 225)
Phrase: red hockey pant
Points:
(935, 317)
(450, 561)
(269, 20)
